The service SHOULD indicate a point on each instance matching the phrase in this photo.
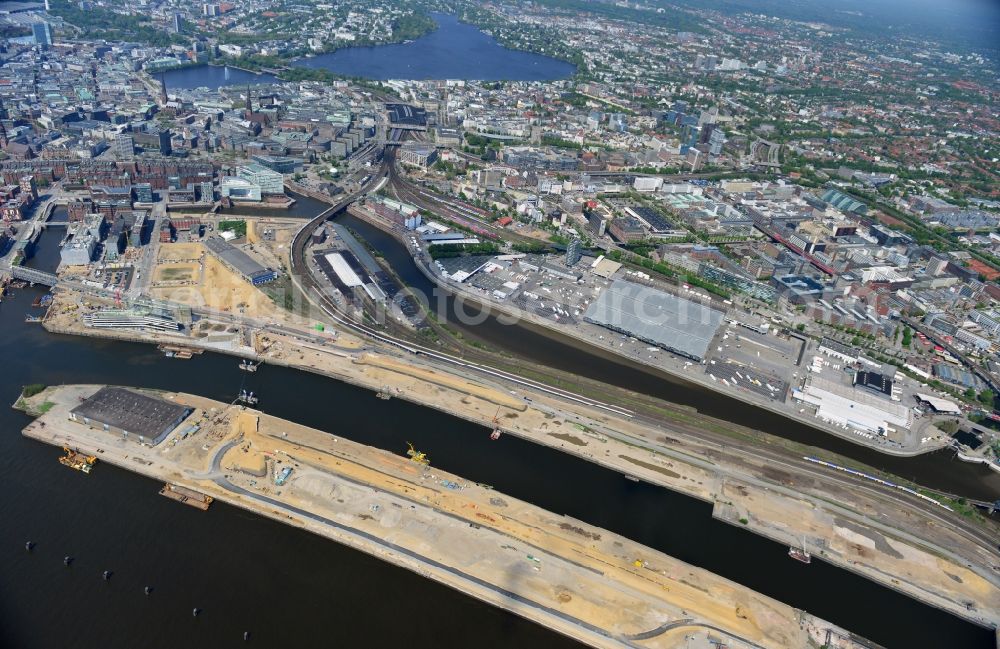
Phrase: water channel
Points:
(288, 586)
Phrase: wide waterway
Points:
(454, 50)
(290, 587)
(940, 470)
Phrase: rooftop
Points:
(656, 317)
(131, 411)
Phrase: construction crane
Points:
(495, 435)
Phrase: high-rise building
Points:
(124, 146)
(43, 35)
(164, 138)
(178, 22)
(716, 141)
(574, 251)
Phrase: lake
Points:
(213, 77)
(455, 50)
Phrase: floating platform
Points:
(178, 351)
(77, 460)
(186, 496)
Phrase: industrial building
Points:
(849, 407)
(240, 262)
(135, 416)
(668, 321)
(343, 270)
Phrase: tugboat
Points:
(247, 398)
(800, 554)
(247, 366)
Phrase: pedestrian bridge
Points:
(33, 275)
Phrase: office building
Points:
(270, 182)
(124, 146)
(43, 35)
(574, 251)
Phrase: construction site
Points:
(582, 581)
(887, 537)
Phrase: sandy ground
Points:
(221, 289)
(797, 504)
(594, 585)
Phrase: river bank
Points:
(540, 346)
(676, 372)
(796, 506)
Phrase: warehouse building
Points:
(673, 323)
(134, 416)
(849, 407)
(240, 262)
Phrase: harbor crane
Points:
(495, 435)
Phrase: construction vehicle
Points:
(76, 460)
(495, 435)
(417, 456)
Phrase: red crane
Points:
(495, 435)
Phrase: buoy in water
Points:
(195, 611)
(107, 575)
(246, 636)
(29, 546)
(67, 560)
(147, 590)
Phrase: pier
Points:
(585, 582)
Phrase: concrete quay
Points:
(914, 548)
(592, 585)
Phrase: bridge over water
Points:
(33, 276)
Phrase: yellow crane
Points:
(76, 460)
(417, 456)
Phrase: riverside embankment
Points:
(776, 497)
(588, 583)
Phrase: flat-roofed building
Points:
(133, 415)
(240, 262)
(419, 155)
(270, 182)
(676, 324)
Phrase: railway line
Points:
(302, 274)
(970, 531)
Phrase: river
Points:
(287, 586)
(455, 50)
(939, 470)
